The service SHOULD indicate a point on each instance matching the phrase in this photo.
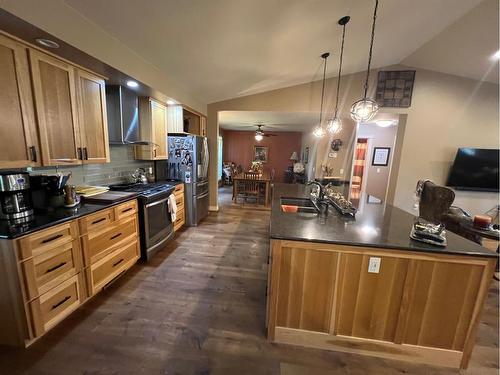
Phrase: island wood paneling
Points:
(421, 307)
(369, 303)
(443, 296)
(306, 289)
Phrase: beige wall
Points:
(447, 112)
(59, 19)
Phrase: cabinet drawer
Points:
(98, 221)
(95, 248)
(179, 200)
(105, 270)
(47, 239)
(47, 270)
(125, 209)
(179, 188)
(179, 220)
(52, 307)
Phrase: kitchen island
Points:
(361, 285)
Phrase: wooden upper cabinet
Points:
(18, 136)
(153, 129)
(56, 109)
(203, 126)
(92, 117)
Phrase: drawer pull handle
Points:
(117, 263)
(55, 267)
(60, 302)
(115, 236)
(50, 239)
(98, 220)
(127, 209)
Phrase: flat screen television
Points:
(475, 169)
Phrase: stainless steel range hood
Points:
(122, 106)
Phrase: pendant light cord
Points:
(322, 92)
(371, 48)
(340, 71)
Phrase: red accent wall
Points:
(238, 148)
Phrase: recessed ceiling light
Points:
(496, 55)
(384, 123)
(171, 102)
(47, 43)
(132, 84)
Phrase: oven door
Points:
(158, 226)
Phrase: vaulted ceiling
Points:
(219, 49)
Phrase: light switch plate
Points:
(374, 265)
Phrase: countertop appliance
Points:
(188, 160)
(15, 199)
(155, 224)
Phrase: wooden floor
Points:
(199, 308)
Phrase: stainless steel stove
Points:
(156, 227)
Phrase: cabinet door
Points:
(203, 126)
(159, 123)
(174, 119)
(18, 137)
(368, 304)
(305, 289)
(55, 99)
(92, 117)
(442, 297)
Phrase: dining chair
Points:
(252, 186)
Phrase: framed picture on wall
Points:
(381, 156)
(260, 153)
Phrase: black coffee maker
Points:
(15, 199)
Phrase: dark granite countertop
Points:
(52, 216)
(376, 225)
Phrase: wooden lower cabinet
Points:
(50, 273)
(52, 307)
(108, 268)
(181, 213)
(419, 307)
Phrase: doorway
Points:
(373, 159)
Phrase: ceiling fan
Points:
(259, 133)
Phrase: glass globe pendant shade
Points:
(364, 110)
(334, 125)
(319, 131)
(259, 137)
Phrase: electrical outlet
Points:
(341, 171)
(374, 265)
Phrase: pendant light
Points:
(318, 130)
(364, 109)
(335, 124)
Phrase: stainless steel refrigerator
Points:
(188, 160)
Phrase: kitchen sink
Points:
(294, 205)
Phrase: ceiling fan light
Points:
(334, 125)
(259, 137)
(364, 110)
(319, 131)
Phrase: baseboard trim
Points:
(213, 208)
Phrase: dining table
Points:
(264, 177)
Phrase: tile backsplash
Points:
(121, 165)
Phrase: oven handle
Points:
(156, 203)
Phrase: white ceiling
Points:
(281, 121)
(464, 48)
(220, 49)
(272, 121)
